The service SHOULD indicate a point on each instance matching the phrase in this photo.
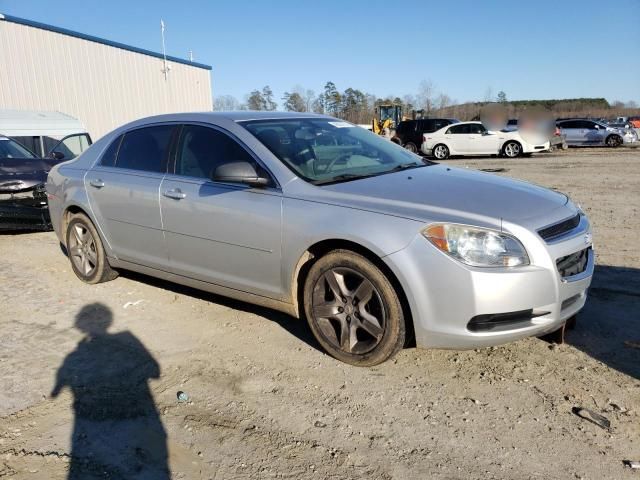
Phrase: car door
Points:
(222, 233)
(481, 141)
(457, 138)
(594, 134)
(123, 194)
(572, 131)
(70, 147)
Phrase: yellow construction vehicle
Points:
(388, 116)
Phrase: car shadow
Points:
(117, 431)
(608, 328)
(296, 327)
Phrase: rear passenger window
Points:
(109, 156)
(201, 150)
(459, 129)
(145, 148)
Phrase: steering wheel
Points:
(330, 165)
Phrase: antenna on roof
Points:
(165, 68)
(191, 55)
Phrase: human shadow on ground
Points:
(117, 432)
(608, 328)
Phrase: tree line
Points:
(358, 106)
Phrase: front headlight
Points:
(477, 247)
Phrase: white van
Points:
(47, 134)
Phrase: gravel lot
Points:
(264, 402)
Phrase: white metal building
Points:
(102, 83)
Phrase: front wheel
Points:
(86, 253)
(441, 152)
(613, 141)
(511, 149)
(353, 310)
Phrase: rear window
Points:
(145, 149)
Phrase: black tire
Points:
(366, 325)
(86, 252)
(512, 149)
(411, 147)
(440, 148)
(613, 141)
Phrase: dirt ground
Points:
(265, 402)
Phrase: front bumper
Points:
(445, 295)
(24, 211)
(530, 148)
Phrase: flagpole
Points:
(165, 70)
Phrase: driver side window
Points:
(202, 149)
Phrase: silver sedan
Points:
(324, 220)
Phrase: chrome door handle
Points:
(97, 183)
(174, 193)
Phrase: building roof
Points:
(91, 38)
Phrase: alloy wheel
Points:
(440, 152)
(348, 310)
(82, 250)
(512, 149)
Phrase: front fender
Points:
(306, 223)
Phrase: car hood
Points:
(442, 193)
(21, 174)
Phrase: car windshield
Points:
(324, 151)
(12, 149)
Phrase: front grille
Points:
(554, 231)
(573, 264)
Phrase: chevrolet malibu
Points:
(326, 221)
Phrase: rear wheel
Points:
(613, 141)
(511, 149)
(441, 152)
(86, 253)
(353, 310)
(411, 147)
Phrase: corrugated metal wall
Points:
(101, 85)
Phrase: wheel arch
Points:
(73, 209)
(321, 248)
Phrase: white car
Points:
(472, 138)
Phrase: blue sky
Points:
(534, 49)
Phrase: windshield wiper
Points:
(344, 177)
(405, 166)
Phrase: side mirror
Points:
(487, 132)
(240, 172)
(56, 155)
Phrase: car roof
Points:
(235, 116)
